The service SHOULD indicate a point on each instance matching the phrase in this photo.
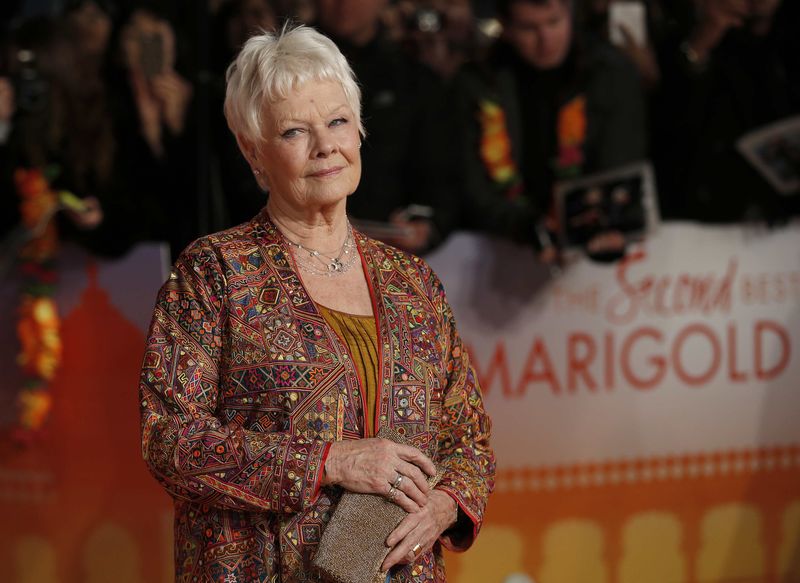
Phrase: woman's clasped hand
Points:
(399, 472)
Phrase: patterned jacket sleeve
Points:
(188, 448)
(464, 450)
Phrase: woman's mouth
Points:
(326, 172)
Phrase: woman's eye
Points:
(290, 133)
(338, 121)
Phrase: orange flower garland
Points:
(571, 130)
(495, 146)
(38, 323)
(37, 331)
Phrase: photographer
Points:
(161, 95)
(407, 178)
(736, 70)
(159, 139)
(40, 129)
(442, 35)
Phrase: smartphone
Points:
(151, 56)
(416, 211)
(631, 15)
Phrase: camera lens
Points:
(428, 21)
(29, 86)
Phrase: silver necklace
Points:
(331, 266)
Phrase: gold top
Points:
(360, 335)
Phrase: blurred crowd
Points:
(475, 112)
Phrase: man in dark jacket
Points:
(544, 108)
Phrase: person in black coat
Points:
(544, 108)
(736, 70)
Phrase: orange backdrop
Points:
(79, 505)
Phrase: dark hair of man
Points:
(503, 7)
(104, 5)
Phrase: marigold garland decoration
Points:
(37, 331)
(38, 324)
(571, 137)
(495, 145)
(37, 202)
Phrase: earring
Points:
(256, 171)
(359, 145)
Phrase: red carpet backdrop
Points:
(645, 417)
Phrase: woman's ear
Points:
(250, 153)
(248, 150)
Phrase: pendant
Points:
(335, 265)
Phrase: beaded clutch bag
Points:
(353, 546)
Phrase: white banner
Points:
(688, 345)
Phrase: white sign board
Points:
(689, 345)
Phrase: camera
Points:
(31, 89)
(151, 58)
(426, 20)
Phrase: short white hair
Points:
(272, 64)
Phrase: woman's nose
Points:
(324, 144)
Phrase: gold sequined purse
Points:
(353, 545)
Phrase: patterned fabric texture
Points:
(244, 387)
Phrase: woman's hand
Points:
(420, 530)
(416, 235)
(373, 466)
(174, 93)
(89, 216)
(141, 25)
(642, 56)
(149, 113)
(715, 18)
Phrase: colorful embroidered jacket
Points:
(244, 386)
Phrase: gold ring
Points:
(398, 481)
(392, 493)
(416, 549)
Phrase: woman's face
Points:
(309, 157)
(92, 27)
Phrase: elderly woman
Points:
(278, 348)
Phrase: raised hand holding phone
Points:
(627, 21)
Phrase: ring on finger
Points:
(413, 552)
(392, 494)
(397, 481)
